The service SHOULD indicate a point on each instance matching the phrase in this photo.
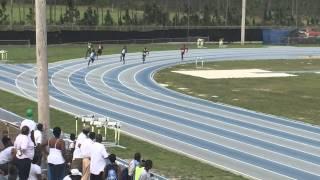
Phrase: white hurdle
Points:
(199, 59)
(101, 122)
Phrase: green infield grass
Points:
(296, 97)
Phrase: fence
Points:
(146, 41)
(75, 27)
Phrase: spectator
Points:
(145, 175)
(133, 164)
(73, 142)
(113, 171)
(70, 150)
(56, 160)
(6, 155)
(28, 121)
(86, 151)
(25, 153)
(139, 170)
(75, 174)
(77, 156)
(98, 162)
(35, 170)
(38, 142)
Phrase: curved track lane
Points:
(253, 144)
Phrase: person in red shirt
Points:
(183, 50)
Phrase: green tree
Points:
(206, 19)
(154, 14)
(72, 14)
(90, 17)
(30, 17)
(126, 18)
(3, 15)
(108, 20)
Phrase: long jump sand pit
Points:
(234, 73)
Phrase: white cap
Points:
(76, 172)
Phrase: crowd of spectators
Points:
(31, 157)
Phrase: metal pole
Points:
(297, 14)
(243, 22)
(42, 65)
(188, 29)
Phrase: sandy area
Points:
(235, 73)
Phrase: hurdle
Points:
(201, 60)
(102, 122)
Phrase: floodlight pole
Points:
(243, 22)
(188, 28)
(42, 66)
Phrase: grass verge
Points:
(293, 97)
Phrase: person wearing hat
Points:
(77, 155)
(75, 174)
(28, 121)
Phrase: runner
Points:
(99, 52)
(183, 50)
(89, 49)
(92, 57)
(123, 54)
(145, 52)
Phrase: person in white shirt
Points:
(6, 155)
(25, 152)
(30, 123)
(86, 148)
(145, 175)
(133, 164)
(98, 159)
(77, 156)
(38, 134)
(35, 170)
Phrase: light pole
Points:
(243, 22)
(188, 28)
(297, 14)
(42, 66)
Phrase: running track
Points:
(253, 144)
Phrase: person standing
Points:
(98, 159)
(86, 152)
(38, 142)
(123, 54)
(24, 153)
(145, 52)
(6, 155)
(56, 160)
(77, 155)
(145, 175)
(113, 171)
(133, 164)
(29, 122)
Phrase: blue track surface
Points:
(253, 144)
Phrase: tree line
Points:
(165, 12)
